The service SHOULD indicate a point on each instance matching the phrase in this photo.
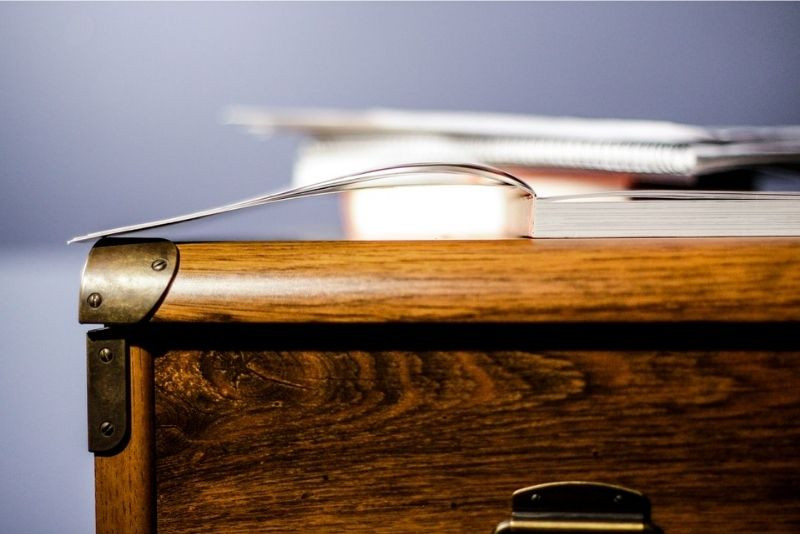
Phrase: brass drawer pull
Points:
(578, 507)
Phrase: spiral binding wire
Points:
(642, 158)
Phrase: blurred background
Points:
(110, 115)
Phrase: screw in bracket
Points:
(107, 429)
(106, 355)
(159, 264)
(95, 300)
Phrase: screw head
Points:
(535, 497)
(106, 355)
(618, 499)
(159, 264)
(95, 300)
(107, 429)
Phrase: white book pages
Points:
(609, 214)
(677, 217)
(427, 174)
(329, 122)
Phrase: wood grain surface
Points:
(125, 482)
(571, 280)
(403, 441)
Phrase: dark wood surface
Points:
(558, 280)
(436, 441)
(667, 365)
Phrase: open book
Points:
(652, 213)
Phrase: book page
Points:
(426, 174)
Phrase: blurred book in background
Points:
(554, 155)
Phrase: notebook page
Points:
(668, 214)
(402, 175)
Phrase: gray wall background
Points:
(109, 115)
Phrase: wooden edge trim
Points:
(125, 482)
(525, 281)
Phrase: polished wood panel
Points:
(125, 482)
(342, 391)
(570, 280)
(403, 441)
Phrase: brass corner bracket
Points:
(125, 279)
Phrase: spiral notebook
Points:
(344, 141)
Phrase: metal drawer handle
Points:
(578, 507)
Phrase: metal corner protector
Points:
(124, 280)
(108, 391)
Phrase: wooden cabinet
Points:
(413, 386)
